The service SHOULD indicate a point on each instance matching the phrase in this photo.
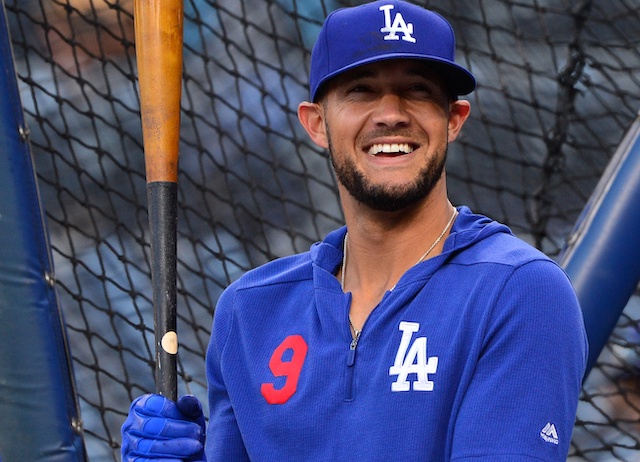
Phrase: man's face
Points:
(387, 131)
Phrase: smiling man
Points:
(413, 118)
(419, 331)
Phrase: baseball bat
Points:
(158, 34)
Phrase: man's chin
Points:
(384, 201)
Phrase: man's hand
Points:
(159, 429)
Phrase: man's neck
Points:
(381, 247)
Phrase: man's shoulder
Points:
(502, 249)
(283, 270)
(480, 239)
(325, 255)
(262, 285)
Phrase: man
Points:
(425, 332)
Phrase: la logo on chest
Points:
(412, 366)
(397, 26)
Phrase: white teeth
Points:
(390, 148)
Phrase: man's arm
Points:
(522, 400)
(224, 441)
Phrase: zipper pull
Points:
(352, 349)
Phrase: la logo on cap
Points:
(398, 26)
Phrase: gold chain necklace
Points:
(424, 255)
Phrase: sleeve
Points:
(522, 399)
(224, 441)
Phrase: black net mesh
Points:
(559, 83)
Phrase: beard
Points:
(383, 197)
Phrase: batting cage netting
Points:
(558, 86)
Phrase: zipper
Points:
(351, 360)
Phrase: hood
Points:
(468, 229)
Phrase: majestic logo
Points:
(398, 25)
(549, 433)
(412, 360)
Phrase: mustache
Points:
(385, 132)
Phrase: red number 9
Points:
(289, 369)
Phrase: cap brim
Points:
(458, 80)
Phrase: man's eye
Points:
(359, 89)
(420, 88)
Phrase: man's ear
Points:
(311, 116)
(458, 113)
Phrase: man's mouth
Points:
(392, 149)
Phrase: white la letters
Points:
(398, 26)
(412, 360)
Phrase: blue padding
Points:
(37, 401)
(603, 254)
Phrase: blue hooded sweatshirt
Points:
(477, 354)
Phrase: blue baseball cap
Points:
(386, 29)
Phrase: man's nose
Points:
(390, 110)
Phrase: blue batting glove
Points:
(157, 429)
